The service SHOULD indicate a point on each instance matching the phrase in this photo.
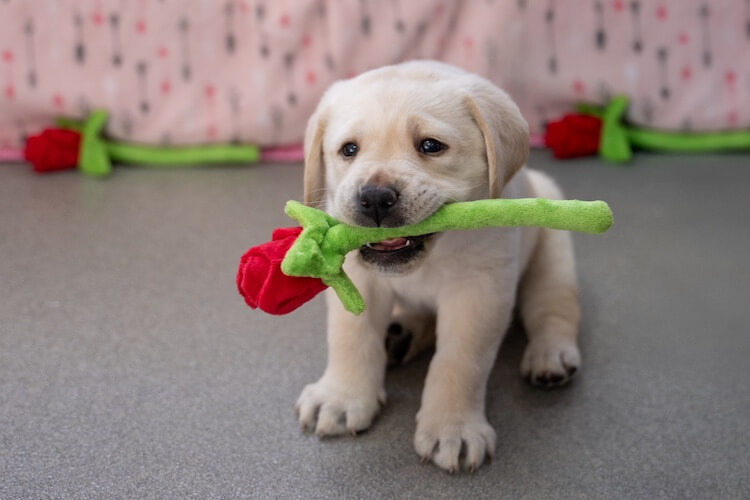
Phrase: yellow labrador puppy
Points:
(388, 148)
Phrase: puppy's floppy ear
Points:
(506, 133)
(315, 171)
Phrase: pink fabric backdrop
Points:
(196, 71)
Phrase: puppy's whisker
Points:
(316, 191)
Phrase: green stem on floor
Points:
(96, 154)
(617, 138)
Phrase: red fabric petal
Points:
(53, 149)
(574, 136)
(284, 232)
(262, 283)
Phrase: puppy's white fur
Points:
(468, 280)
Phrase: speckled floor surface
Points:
(131, 368)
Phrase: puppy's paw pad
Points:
(453, 444)
(549, 363)
(331, 409)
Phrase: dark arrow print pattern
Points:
(252, 70)
(114, 26)
(600, 35)
(28, 31)
(549, 17)
(635, 10)
(230, 37)
(142, 71)
(186, 70)
(662, 55)
(80, 48)
(705, 13)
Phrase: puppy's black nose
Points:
(377, 201)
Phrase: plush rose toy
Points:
(298, 263)
(606, 131)
(84, 145)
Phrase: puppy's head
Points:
(390, 147)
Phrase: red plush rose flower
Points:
(53, 149)
(262, 283)
(574, 136)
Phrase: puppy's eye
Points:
(349, 149)
(431, 146)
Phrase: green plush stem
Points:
(675, 142)
(92, 156)
(179, 156)
(96, 154)
(573, 215)
(614, 144)
(320, 249)
(617, 139)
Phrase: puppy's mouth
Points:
(395, 255)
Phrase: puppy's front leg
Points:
(348, 395)
(451, 422)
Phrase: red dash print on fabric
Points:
(209, 92)
(97, 18)
(618, 5)
(162, 52)
(165, 87)
(58, 101)
(730, 77)
(578, 87)
(683, 38)
(468, 43)
(140, 23)
(661, 13)
(140, 26)
(686, 73)
(311, 77)
(9, 89)
(285, 20)
(307, 41)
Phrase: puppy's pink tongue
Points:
(392, 244)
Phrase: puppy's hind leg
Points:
(550, 312)
(549, 305)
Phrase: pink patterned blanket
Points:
(199, 71)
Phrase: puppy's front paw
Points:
(333, 408)
(452, 441)
(550, 362)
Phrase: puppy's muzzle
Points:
(379, 204)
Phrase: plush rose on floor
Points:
(573, 136)
(262, 283)
(53, 149)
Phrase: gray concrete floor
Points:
(131, 368)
